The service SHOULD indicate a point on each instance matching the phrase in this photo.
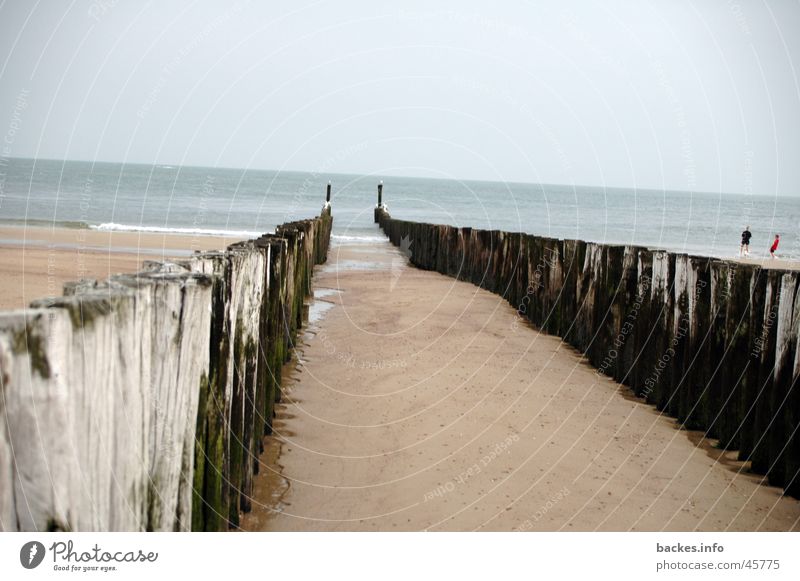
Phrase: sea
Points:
(248, 202)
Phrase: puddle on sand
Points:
(270, 486)
(318, 307)
(321, 293)
(357, 265)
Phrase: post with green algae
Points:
(255, 338)
(190, 349)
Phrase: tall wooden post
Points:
(379, 207)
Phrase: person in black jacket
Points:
(744, 249)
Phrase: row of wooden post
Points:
(378, 208)
(380, 194)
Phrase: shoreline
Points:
(35, 262)
(38, 226)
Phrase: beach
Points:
(35, 262)
(418, 402)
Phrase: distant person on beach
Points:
(774, 246)
(744, 248)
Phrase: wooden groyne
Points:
(140, 402)
(710, 342)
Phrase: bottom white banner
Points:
(399, 555)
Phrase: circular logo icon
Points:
(31, 554)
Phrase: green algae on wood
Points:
(28, 342)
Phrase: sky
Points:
(689, 95)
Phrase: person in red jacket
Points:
(774, 246)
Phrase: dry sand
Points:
(420, 402)
(36, 262)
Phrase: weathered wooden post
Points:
(326, 207)
(380, 207)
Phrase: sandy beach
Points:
(422, 403)
(35, 262)
(417, 402)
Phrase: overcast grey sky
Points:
(692, 95)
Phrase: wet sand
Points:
(36, 262)
(769, 263)
(423, 403)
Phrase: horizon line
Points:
(383, 176)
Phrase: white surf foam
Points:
(114, 227)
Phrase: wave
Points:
(353, 238)
(114, 227)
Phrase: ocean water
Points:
(214, 200)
